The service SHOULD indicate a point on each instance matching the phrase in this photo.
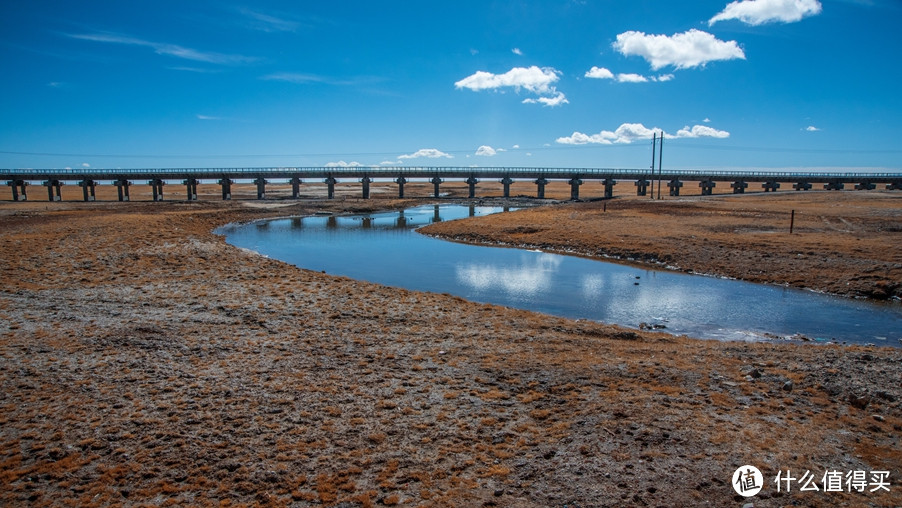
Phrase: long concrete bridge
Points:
(643, 179)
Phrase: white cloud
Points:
(630, 132)
(430, 153)
(85, 165)
(811, 128)
(268, 23)
(707, 120)
(631, 78)
(486, 151)
(515, 147)
(599, 73)
(683, 51)
(602, 73)
(207, 117)
(517, 51)
(343, 164)
(555, 100)
(759, 12)
(532, 79)
(701, 131)
(168, 49)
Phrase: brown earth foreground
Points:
(144, 361)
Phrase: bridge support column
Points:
(400, 181)
(122, 186)
(366, 186)
(295, 187)
(226, 184)
(540, 187)
(330, 186)
(87, 189)
(674, 186)
(771, 186)
(191, 188)
(436, 181)
(834, 186)
(739, 187)
(894, 186)
(642, 187)
(472, 181)
(261, 187)
(51, 186)
(18, 186)
(800, 186)
(575, 182)
(707, 187)
(865, 186)
(506, 181)
(156, 185)
(609, 184)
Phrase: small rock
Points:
(755, 373)
(499, 493)
(787, 386)
(859, 401)
(878, 418)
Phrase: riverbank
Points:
(145, 361)
(845, 243)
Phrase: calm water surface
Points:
(384, 248)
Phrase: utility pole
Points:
(660, 156)
(654, 144)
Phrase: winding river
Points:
(385, 248)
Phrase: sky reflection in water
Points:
(384, 248)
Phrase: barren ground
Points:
(144, 361)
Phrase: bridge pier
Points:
(609, 184)
(51, 185)
(156, 186)
(642, 187)
(894, 186)
(87, 189)
(506, 181)
(366, 186)
(865, 186)
(191, 188)
(17, 187)
(540, 190)
(674, 186)
(834, 186)
(707, 187)
(575, 182)
(261, 187)
(771, 186)
(295, 187)
(400, 181)
(330, 186)
(436, 181)
(800, 186)
(472, 181)
(739, 187)
(226, 184)
(122, 186)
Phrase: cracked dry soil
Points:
(143, 361)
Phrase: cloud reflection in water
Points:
(534, 275)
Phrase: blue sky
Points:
(749, 84)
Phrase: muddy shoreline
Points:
(145, 361)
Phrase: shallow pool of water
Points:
(384, 248)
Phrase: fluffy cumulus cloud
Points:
(630, 132)
(759, 12)
(811, 128)
(602, 73)
(486, 151)
(683, 51)
(599, 73)
(539, 81)
(343, 164)
(429, 153)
